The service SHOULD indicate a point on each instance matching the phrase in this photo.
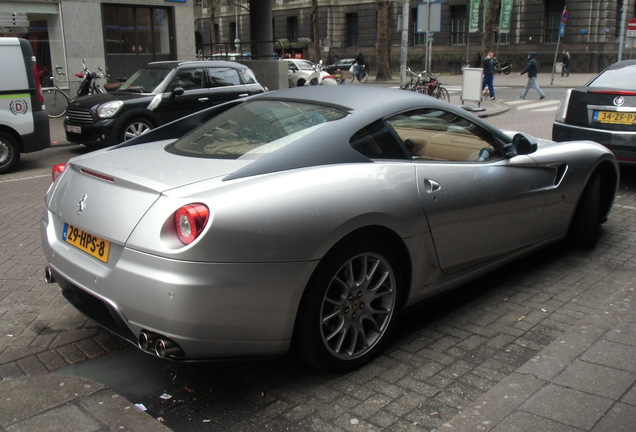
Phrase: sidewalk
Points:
(583, 381)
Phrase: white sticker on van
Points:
(19, 106)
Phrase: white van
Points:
(24, 125)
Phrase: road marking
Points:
(553, 104)
(24, 178)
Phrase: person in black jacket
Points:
(489, 70)
(532, 70)
(565, 63)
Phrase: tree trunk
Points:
(492, 21)
(315, 29)
(383, 49)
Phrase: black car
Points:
(342, 64)
(604, 110)
(156, 94)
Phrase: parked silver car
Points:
(308, 219)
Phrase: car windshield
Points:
(622, 78)
(254, 129)
(306, 65)
(145, 80)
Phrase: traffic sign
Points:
(564, 16)
(631, 28)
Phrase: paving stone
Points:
(526, 422)
(596, 379)
(612, 354)
(572, 407)
(620, 418)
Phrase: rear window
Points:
(623, 78)
(254, 129)
(223, 76)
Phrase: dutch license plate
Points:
(74, 129)
(92, 245)
(614, 117)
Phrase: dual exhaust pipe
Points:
(147, 341)
(159, 345)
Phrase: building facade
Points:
(118, 36)
(591, 34)
(122, 35)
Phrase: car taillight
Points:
(57, 171)
(562, 111)
(615, 92)
(190, 220)
(38, 84)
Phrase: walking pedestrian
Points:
(565, 63)
(532, 71)
(489, 70)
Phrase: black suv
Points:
(156, 94)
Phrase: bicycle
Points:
(416, 81)
(56, 101)
(429, 86)
(434, 88)
(362, 75)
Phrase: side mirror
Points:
(177, 91)
(522, 144)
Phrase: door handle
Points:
(243, 95)
(431, 186)
(203, 99)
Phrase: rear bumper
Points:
(622, 144)
(211, 310)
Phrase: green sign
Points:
(506, 16)
(473, 19)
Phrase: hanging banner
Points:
(506, 16)
(485, 15)
(473, 19)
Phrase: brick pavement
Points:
(451, 357)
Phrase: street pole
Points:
(621, 39)
(405, 41)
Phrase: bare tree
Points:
(383, 48)
(491, 21)
(315, 29)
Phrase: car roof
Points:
(171, 64)
(622, 64)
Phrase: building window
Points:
(458, 25)
(553, 11)
(292, 29)
(352, 29)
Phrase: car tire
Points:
(9, 152)
(585, 225)
(135, 127)
(301, 82)
(350, 306)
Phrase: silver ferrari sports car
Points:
(307, 220)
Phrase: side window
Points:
(223, 76)
(189, 79)
(435, 134)
(377, 142)
(247, 76)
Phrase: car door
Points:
(225, 84)
(195, 97)
(479, 203)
